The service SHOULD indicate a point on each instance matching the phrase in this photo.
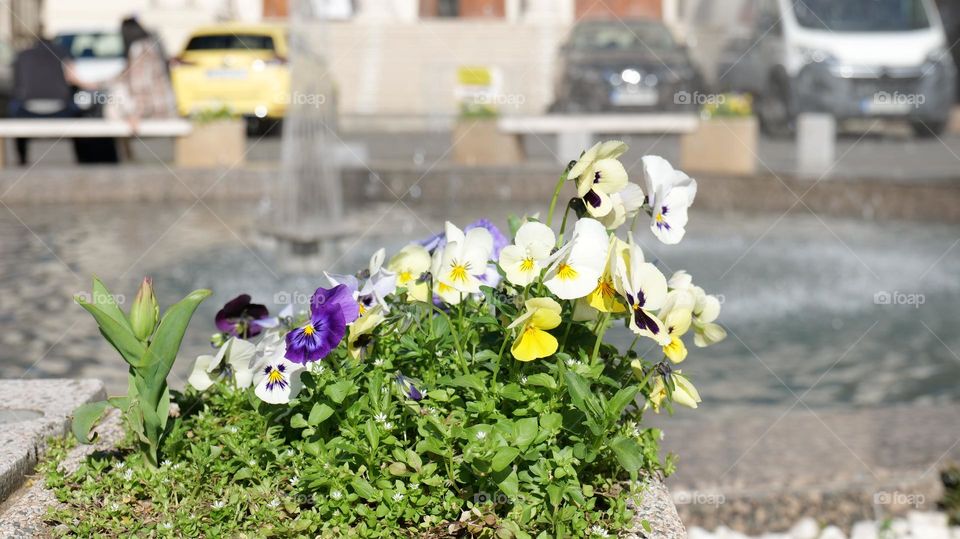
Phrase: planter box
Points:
(218, 144)
(480, 142)
(725, 146)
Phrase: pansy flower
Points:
(533, 341)
(677, 315)
(523, 261)
(465, 258)
(408, 388)
(361, 330)
(670, 193)
(409, 264)
(604, 298)
(236, 353)
(277, 379)
(379, 283)
(578, 265)
(645, 289)
(705, 310)
(682, 393)
(240, 318)
(330, 312)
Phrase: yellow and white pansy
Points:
(670, 193)
(360, 330)
(523, 261)
(645, 289)
(677, 315)
(464, 258)
(276, 379)
(705, 311)
(604, 298)
(626, 203)
(596, 187)
(610, 149)
(579, 264)
(683, 394)
(409, 264)
(533, 341)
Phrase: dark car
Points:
(625, 66)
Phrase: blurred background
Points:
(248, 145)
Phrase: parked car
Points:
(633, 65)
(240, 66)
(97, 55)
(851, 59)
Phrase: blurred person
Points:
(143, 90)
(42, 79)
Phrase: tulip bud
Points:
(145, 312)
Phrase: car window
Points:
(92, 45)
(231, 42)
(863, 15)
(622, 37)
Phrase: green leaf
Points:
(469, 381)
(504, 457)
(364, 489)
(340, 390)
(319, 413)
(162, 351)
(413, 459)
(542, 379)
(628, 452)
(298, 422)
(513, 392)
(510, 484)
(620, 401)
(525, 432)
(103, 299)
(579, 391)
(85, 417)
(551, 422)
(120, 336)
(373, 435)
(243, 473)
(398, 468)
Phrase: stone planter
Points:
(478, 141)
(22, 511)
(726, 146)
(217, 144)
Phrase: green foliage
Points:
(213, 114)
(149, 344)
(951, 494)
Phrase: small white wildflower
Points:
(290, 452)
(398, 496)
(294, 480)
(128, 475)
(318, 368)
(178, 465)
(252, 463)
(219, 504)
(166, 463)
(380, 417)
(336, 494)
(481, 435)
(414, 486)
(387, 425)
(274, 503)
(599, 531)
(523, 380)
(439, 353)
(167, 526)
(378, 362)
(233, 430)
(121, 465)
(114, 507)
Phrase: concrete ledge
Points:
(23, 441)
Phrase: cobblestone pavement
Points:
(917, 525)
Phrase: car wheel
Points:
(777, 117)
(928, 129)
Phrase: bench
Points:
(575, 132)
(70, 128)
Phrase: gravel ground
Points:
(916, 525)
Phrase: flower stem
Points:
(456, 337)
(556, 195)
(563, 225)
(601, 330)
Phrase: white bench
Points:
(69, 128)
(576, 132)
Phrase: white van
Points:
(849, 58)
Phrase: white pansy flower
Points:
(670, 193)
(578, 265)
(465, 258)
(523, 261)
(645, 289)
(277, 379)
(409, 264)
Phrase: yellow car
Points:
(242, 67)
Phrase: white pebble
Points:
(928, 525)
(955, 532)
(832, 532)
(864, 529)
(806, 528)
(724, 532)
(699, 533)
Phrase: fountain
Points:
(304, 210)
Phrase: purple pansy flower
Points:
(408, 389)
(330, 312)
(240, 318)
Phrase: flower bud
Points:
(145, 312)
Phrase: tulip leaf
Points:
(117, 334)
(85, 417)
(166, 341)
(628, 452)
(103, 299)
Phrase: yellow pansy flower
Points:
(409, 264)
(533, 341)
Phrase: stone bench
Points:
(575, 132)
